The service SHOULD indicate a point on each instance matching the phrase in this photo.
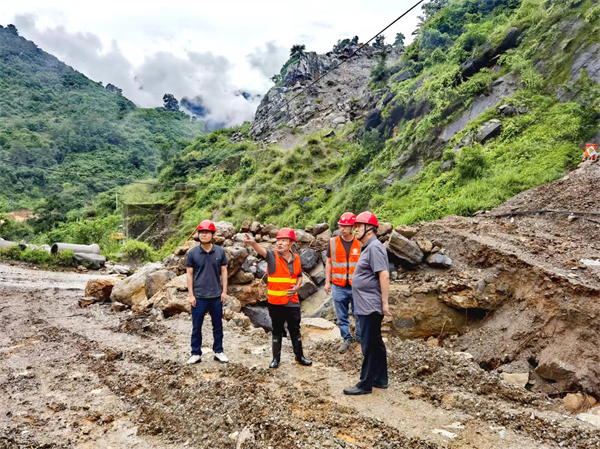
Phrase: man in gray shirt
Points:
(370, 287)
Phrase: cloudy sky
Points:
(208, 50)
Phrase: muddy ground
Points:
(93, 378)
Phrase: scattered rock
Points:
(270, 230)
(590, 418)
(93, 261)
(424, 244)
(407, 231)
(438, 260)
(578, 402)
(84, 302)
(319, 305)
(236, 257)
(183, 249)
(121, 269)
(242, 277)
(225, 230)
(307, 288)
(488, 130)
(82, 269)
(320, 228)
(255, 227)
(249, 293)
(317, 273)
(259, 316)
(234, 304)
(324, 236)
(384, 229)
(319, 329)
(308, 258)
(330, 134)
(116, 306)
(156, 280)
(404, 248)
(261, 270)
(518, 379)
(304, 237)
(100, 289)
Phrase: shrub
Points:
(135, 251)
(471, 163)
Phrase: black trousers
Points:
(282, 314)
(374, 367)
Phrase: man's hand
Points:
(224, 298)
(192, 300)
(328, 288)
(249, 240)
(292, 291)
(386, 310)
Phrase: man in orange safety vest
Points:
(284, 280)
(342, 256)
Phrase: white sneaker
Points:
(194, 359)
(221, 357)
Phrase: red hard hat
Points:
(207, 225)
(347, 219)
(367, 218)
(286, 233)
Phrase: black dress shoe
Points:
(353, 391)
(383, 387)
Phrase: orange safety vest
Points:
(280, 282)
(342, 268)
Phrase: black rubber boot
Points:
(276, 352)
(300, 359)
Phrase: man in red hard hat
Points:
(370, 287)
(206, 268)
(342, 256)
(284, 280)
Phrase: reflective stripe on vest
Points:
(280, 282)
(342, 267)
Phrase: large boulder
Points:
(307, 288)
(236, 257)
(157, 280)
(309, 258)
(132, 290)
(259, 316)
(225, 230)
(100, 288)
(439, 260)
(248, 293)
(255, 227)
(171, 301)
(488, 130)
(404, 248)
(421, 315)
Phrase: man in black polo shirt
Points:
(206, 267)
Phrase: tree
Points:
(379, 41)
(354, 40)
(12, 29)
(297, 48)
(399, 42)
(170, 102)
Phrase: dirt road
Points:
(92, 378)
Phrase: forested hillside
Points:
(492, 98)
(54, 117)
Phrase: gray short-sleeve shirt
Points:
(365, 281)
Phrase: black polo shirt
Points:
(207, 270)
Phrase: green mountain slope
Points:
(528, 69)
(55, 117)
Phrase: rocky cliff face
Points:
(335, 101)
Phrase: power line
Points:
(353, 53)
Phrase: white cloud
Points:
(205, 50)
